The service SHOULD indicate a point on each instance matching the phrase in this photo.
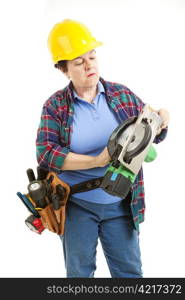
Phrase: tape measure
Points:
(34, 224)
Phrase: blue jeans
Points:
(85, 223)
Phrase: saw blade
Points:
(137, 138)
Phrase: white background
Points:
(144, 49)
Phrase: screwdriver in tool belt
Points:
(60, 190)
(49, 189)
(56, 206)
(41, 173)
(31, 175)
(28, 204)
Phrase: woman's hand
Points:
(164, 114)
(103, 158)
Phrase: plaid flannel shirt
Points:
(53, 135)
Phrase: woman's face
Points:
(83, 70)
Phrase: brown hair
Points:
(61, 64)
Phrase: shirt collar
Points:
(100, 90)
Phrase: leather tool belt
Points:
(55, 220)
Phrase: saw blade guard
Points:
(140, 137)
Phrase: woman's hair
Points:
(61, 64)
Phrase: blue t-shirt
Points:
(93, 123)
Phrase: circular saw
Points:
(129, 145)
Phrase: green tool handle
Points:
(151, 155)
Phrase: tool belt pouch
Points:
(49, 219)
(48, 215)
(62, 219)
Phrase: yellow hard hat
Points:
(70, 39)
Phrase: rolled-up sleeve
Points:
(160, 137)
(50, 151)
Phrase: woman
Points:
(75, 126)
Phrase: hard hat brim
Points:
(89, 47)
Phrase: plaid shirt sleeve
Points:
(50, 151)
